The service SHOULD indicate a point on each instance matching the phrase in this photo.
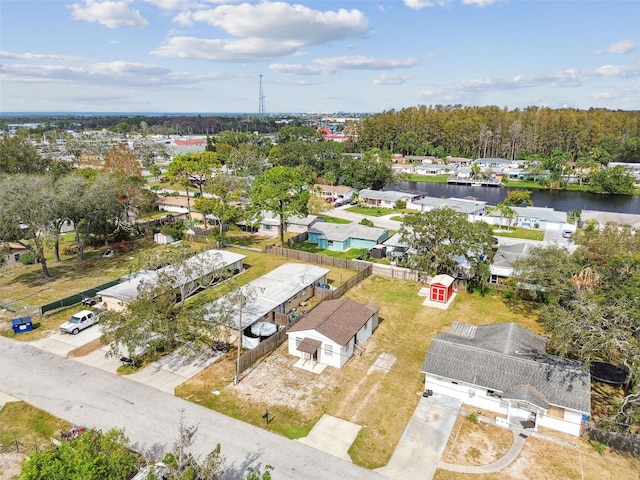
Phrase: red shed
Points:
(441, 288)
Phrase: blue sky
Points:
(316, 56)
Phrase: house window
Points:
(16, 257)
(328, 350)
(298, 341)
(330, 242)
(494, 394)
(266, 227)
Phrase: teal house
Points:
(342, 237)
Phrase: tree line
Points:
(489, 132)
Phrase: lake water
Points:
(564, 201)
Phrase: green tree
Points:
(157, 316)
(156, 171)
(440, 236)
(227, 191)
(373, 170)
(518, 198)
(613, 180)
(91, 456)
(505, 211)
(283, 191)
(29, 200)
(19, 155)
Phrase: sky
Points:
(208, 56)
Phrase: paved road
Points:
(88, 396)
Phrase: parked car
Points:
(79, 321)
(91, 301)
(567, 234)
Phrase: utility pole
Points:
(237, 377)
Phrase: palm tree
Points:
(505, 211)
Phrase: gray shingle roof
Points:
(340, 232)
(506, 255)
(510, 359)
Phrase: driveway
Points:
(88, 396)
(62, 343)
(419, 450)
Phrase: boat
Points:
(476, 184)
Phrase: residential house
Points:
(385, 199)
(334, 192)
(501, 268)
(468, 206)
(403, 168)
(459, 161)
(542, 218)
(433, 169)
(503, 368)
(341, 237)
(280, 291)
(12, 251)
(198, 272)
(333, 331)
(179, 205)
(269, 224)
(602, 218)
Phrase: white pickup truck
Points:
(79, 321)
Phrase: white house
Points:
(384, 199)
(198, 272)
(333, 331)
(542, 218)
(603, 218)
(469, 207)
(279, 291)
(501, 268)
(503, 368)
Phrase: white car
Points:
(79, 321)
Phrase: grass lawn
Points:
(330, 219)
(381, 402)
(22, 287)
(415, 177)
(398, 218)
(517, 232)
(371, 211)
(30, 425)
(311, 247)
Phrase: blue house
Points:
(342, 237)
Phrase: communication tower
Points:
(261, 109)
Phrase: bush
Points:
(28, 258)
(176, 233)
(472, 417)
(400, 205)
(366, 222)
(70, 250)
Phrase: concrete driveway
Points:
(418, 453)
(62, 343)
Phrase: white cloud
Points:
(420, 4)
(111, 14)
(621, 47)
(248, 49)
(108, 73)
(481, 3)
(298, 69)
(281, 22)
(365, 63)
(391, 79)
(38, 56)
(329, 65)
(569, 77)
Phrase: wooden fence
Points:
(318, 258)
(301, 237)
(399, 273)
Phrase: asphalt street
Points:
(87, 396)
